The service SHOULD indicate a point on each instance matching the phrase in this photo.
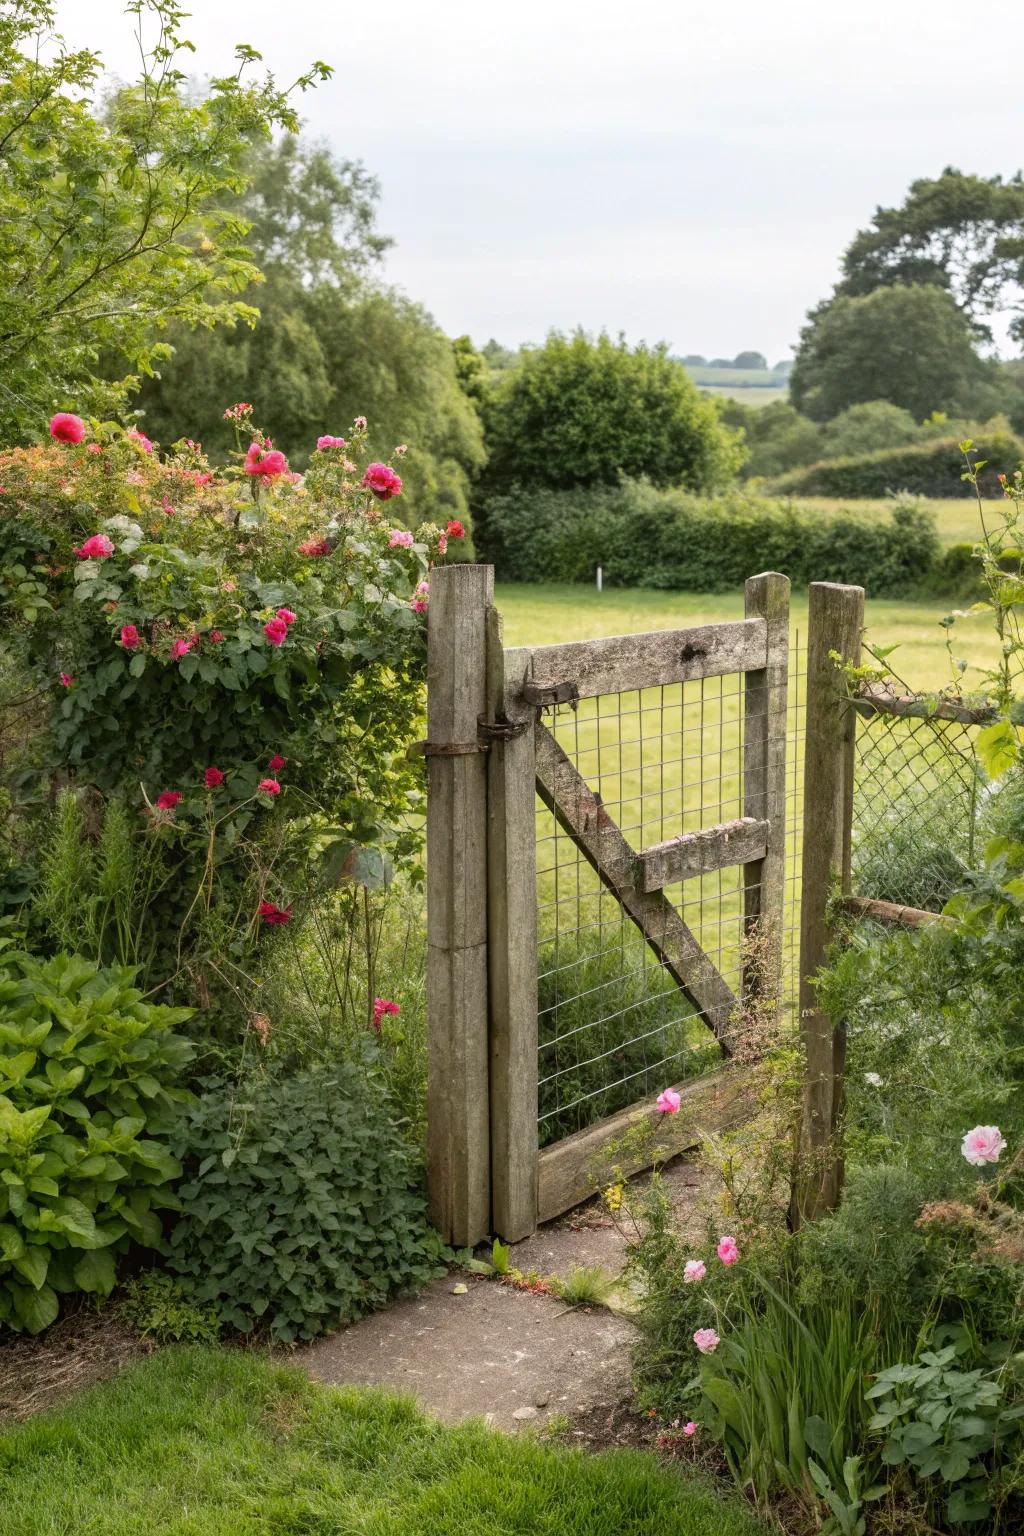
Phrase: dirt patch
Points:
(84, 1347)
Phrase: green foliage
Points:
(777, 437)
(299, 1204)
(586, 1285)
(866, 428)
(962, 233)
(116, 217)
(669, 540)
(933, 468)
(160, 1306)
(908, 345)
(89, 1093)
(578, 412)
(247, 1446)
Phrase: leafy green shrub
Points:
(933, 468)
(161, 1306)
(671, 540)
(300, 1204)
(88, 1098)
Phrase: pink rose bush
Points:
(668, 1102)
(65, 428)
(983, 1145)
(693, 1270)
(706, 1340)
(382, 481)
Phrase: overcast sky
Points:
(678, 171)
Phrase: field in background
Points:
(956, 518)
(746, 395)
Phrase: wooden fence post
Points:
(458, 1094)
(512, 947)
(764, 781)
(835, 622)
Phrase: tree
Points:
(330, 343)
(114, 224)
(777, 436)
(583, 412)
(750, 360)
(908, 345)
(865, 427)
(958, 232)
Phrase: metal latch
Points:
(543, 696)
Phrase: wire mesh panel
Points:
(919, 806)
(614, 1025)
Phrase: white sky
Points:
(678, 171)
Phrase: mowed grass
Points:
(956, 517)
(207, 1442)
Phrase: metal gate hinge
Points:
(447, 748)
(501, 730)
(547, 694)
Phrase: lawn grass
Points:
(210, 1442)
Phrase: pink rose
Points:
(213, 778)
(314, 549)
(98, 547)
(694, 1269)
(400, 539)
(286, 616)
(216, 637)
(274, 915)
(455, 530)
(266, 463)
(276, 763)
(727, 1250)
(182, 646)
(360, 423)
(275, 630)
(269, 787)
(65, 679)
(329, 442)
(382, 1006)
(983, 1145)
(65, 428)
(689, 1429)
(130, 637)
(139, 439)
(668, 1103)
(168, 800)
(382, 481)
(706, 1340)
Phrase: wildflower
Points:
(360, 423)
(382, 481)
(266, 463)
(381, 1006)
(274, 915)
(97, 547)
(286, 616)
(269, 787)
(706, 1340)
(65, 679)
(873, 1079)
(130, 637)
(689, 1429)
(323, 443)
(139, 439)
(402, 450)
(419, 600)
(314, 549)
(166, 508)
(168, 800)
(237, 412)
(276, 763)
(276, 631)
(727, 1250)
(260, 1026)
(455, 530)
(442, 543)
(65, 428)
(216, 637)
(668, 1102)
(694, 1269)
(181, 646)
(613, 1197)
(400, 538)
(213, 778)
(983, 1145)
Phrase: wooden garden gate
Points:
(495, 716)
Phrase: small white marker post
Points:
(600, 579)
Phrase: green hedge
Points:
(670, 540)
(924, 469)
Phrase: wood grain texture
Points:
(573, 1169)
(458, 1115)
(699, 853)
(621, 663)
(765, 724)
(582, 815)
(512, 956)
(890, 912)
(835, 622)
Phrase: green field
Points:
(755, 395)
(956, 517)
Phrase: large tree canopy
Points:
(583, 412)
(115, 221)
(909, 345)
(959, 232)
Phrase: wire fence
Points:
(613, 1026)
(922, 808)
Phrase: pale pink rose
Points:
(689, 1429)
(706, 1340)
(668, 1102)
(727, 1250)
(983, 1145)
(400, 539)
(694, 1269)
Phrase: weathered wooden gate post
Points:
(835, 622)
(458, 1094)
(764, 781)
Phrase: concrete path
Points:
(509, 1356)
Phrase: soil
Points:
(82, 1348)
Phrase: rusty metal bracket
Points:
(543, 696)
(447, 748)
(501, 730)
